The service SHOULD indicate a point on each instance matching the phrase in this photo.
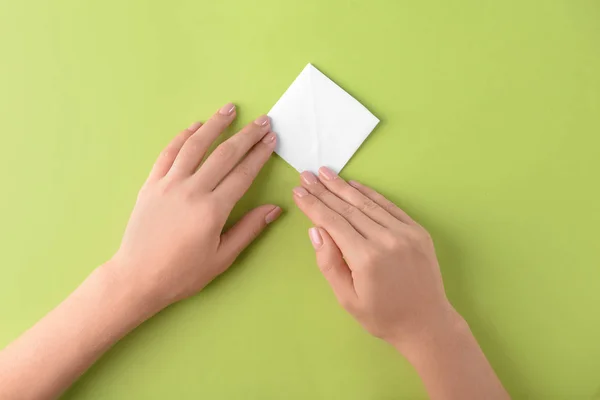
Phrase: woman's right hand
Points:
(379, 262)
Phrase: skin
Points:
(380, 264)
(382, 268)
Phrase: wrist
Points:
(132, 296)
(445, 328)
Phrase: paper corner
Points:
(310, 67)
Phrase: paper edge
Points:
(375, 122)
(290, 85)
(307, 68)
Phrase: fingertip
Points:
(316, 239)
(326, 237)
(274, 214)
(248, 228)
(327, 173)
(270, 139)
(354, 183)
(227, 110)
(263, 120)
(308, 178)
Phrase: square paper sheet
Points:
(318, 123)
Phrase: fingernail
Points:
(273, 215)
(315, 237)
(227, 109)
(262, 120)
(327, 173)
(194, 127)
(308, 177)
(300, 191)
(269, 138)
(354, 183)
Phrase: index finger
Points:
(384, 203)
(229, 153)
(192, 152)
(238, 181)
(343, 234)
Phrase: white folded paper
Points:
(318, 123)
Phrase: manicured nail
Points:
(194, 127)
(354, 183)
(269, 138)
(300, 191)
(315, 237)
(262, 120)
(273, 215)
(308, 177)
(327, 173)
(227, 109)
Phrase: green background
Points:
(489, 137)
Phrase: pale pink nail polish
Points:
(354, 183)
(227, 109)
(300, 191)
(194, 127)
(327, 173)
(263, 120)
(315, 237)
(308, 177)
(269, 138)
(273, 215)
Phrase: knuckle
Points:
(222, 265)
(346, 303)
(332, 218)
(192, 147)
(188, 195)
(389, 241)
(310, 201)
(244, 171)
(368, 205)
(419, 234)
(389, 206)
(326, 267)
(256, 230)
(167, 186)
(213, 217)
(398, 242)
(143, 192)
(318, 190)
(211, 221)
(371, 258)
(347, 211)
(427, 236)
(168, 152)
(376, 331)
(225, 150)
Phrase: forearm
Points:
(51, 355)
(452, 365)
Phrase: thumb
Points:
(239, 236)
(331, 263)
